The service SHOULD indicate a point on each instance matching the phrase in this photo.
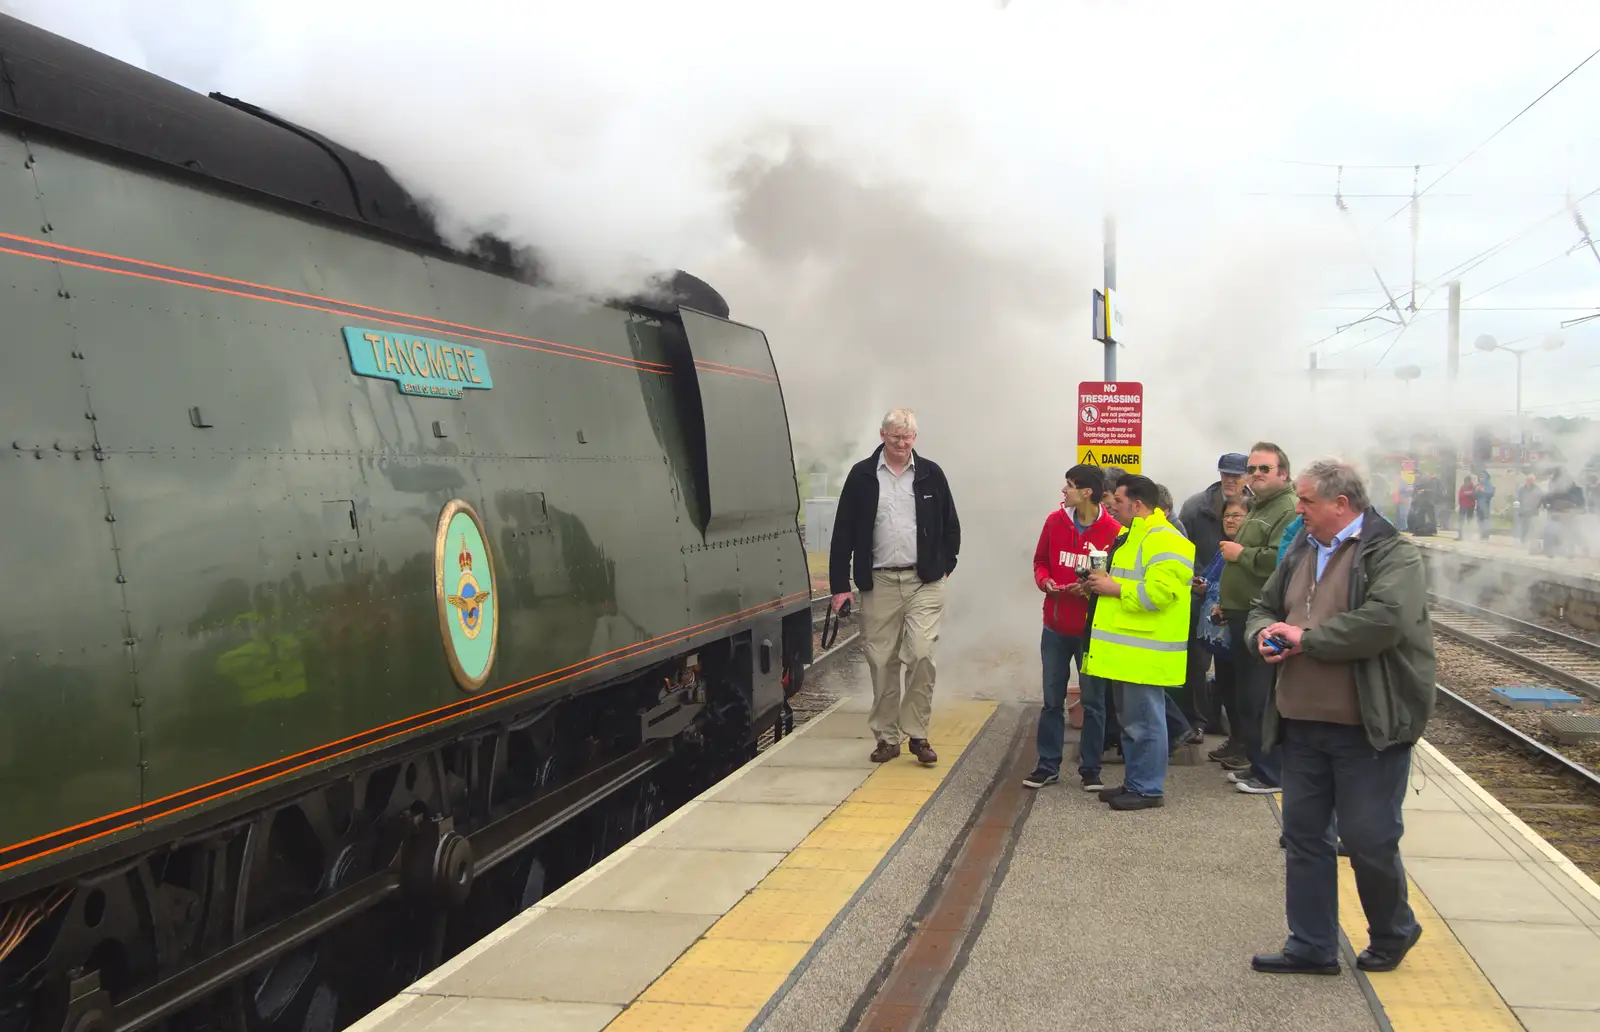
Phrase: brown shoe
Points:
(885, 752)
(924, 752)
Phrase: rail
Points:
(1562, 658)
(1522, 741)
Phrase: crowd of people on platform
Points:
(1285, 609)
(1551, 513)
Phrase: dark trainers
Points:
(885, 752)
(924, 752)
(1134, 801)
(1040, 778)
(1234, 763)
(1093, 782)
(1108, 794)
(1229, 750)
(1254, 787)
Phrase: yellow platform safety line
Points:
(721, 982)
(1438, 987)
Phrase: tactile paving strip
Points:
(1438, 987)
(724, 979)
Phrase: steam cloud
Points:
(907, 196)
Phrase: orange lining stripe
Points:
(620, 363)
(734, 368)
(314, 297)
(575, 350)
(735, 371)
(652, 643)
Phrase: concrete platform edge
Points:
(1557, 858)
(422, 986)
(888, 857)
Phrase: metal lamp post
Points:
(1486, 343)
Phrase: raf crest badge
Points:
(463, 584)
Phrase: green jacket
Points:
(1386, 634)
(1263, 528)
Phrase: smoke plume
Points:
(907, 196)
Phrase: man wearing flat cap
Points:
(1201, 516)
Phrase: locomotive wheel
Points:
(293, 995)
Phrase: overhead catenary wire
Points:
(1346, 164)
(1460, 268)
(1412, 204)
(1528, 107)
(1399, 331)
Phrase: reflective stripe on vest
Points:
(1138, 643)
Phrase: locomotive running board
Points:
(491, 845)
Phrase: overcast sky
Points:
(606, 131)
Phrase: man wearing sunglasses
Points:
(1249, 561)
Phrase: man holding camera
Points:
(1139, 635)
(1344, 621)
(1078, 529)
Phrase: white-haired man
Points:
(1343, 620)
(896, 534)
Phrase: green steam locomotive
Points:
(347, 567)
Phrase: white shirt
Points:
(894, 531)
(1325, 551)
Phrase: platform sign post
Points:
(1111, 424)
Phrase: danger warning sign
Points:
(1111, 424)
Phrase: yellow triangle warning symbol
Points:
(1088, 457)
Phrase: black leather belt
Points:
(894, 569)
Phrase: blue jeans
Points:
(1142, 708)
(1058, 653)
(1332, 771)
(1178, 726)
(1253, 679)
(1092, 693)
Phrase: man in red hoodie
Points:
(1070, 533)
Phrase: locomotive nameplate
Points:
(463, 584)
(419, 365)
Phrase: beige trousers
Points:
(899, 624)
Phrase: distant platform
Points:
(1578, 571)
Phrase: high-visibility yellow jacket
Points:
(1142, 635)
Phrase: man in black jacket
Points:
(896, 531)
(1202, 520)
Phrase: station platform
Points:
(814, 889)
(1578, 570)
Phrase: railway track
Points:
(1550, 789)
(1561, 658)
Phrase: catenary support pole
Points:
(1447, 504)
(1110, 285)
